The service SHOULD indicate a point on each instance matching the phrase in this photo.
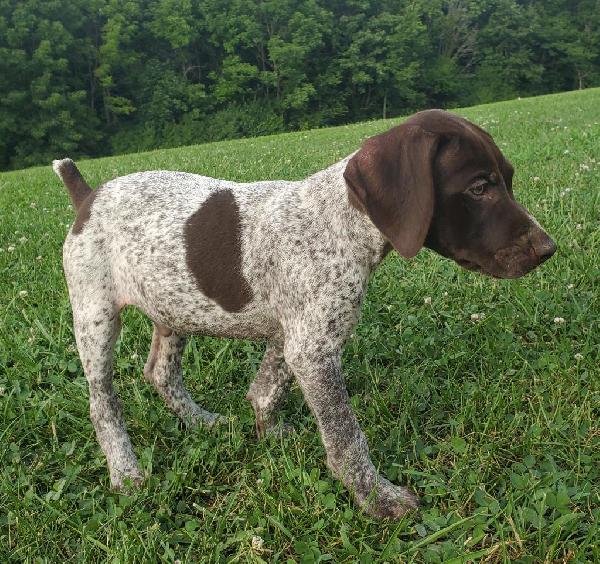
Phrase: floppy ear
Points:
(391, 180)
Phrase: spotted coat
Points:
(281, 261)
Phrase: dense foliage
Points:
(91, 77)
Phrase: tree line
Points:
(97, 77)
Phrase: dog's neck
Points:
(326, 193)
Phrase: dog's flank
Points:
(78, 188)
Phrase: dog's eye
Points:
(479, 188)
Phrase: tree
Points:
(90, 77)
(382, 60)
(45, 111)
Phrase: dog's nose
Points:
(544, 248)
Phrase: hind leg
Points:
(163, 371)
(269, 388)
(97, 325)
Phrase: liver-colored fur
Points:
(213, 236)
(287, 262)
(84, 211)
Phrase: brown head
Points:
(440, 181)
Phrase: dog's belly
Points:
(171, 298)
(210, 320)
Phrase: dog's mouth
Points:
(516, 261)
(495, 269)
(470, 265)
(501, 266)
(476, 267)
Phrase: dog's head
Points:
(440, 181)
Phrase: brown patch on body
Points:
(84, 211)
(214, 251)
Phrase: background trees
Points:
(91, 77)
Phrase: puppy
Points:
(285, 262)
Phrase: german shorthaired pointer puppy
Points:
(287, 262)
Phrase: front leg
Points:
(319, 375)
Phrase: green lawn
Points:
(494, 422)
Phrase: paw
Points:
(213, 419)
(220, 420)
(266, 427)
(126, 480)
(277, 430)
(387, 501)
(202, 417)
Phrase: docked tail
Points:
(78, 188)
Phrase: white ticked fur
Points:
(306, 255)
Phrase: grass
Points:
(493, 422)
